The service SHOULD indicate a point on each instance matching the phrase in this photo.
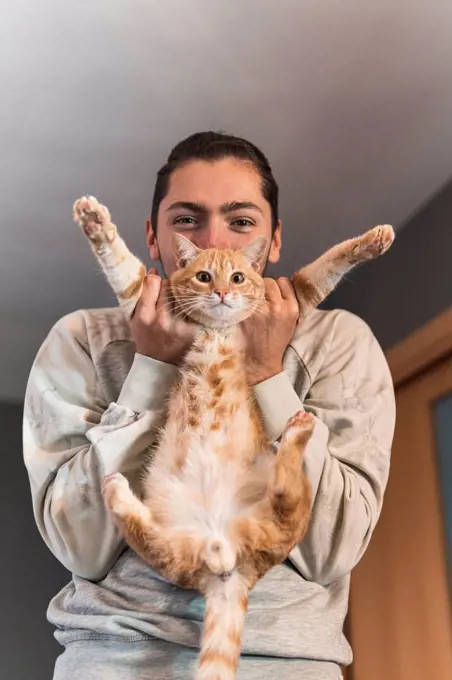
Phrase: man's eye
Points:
(185, 220)
(237, 277)
(204, 277)
(242, 222)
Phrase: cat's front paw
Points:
(94, 219)
(374, 242)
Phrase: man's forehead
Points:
(215, 184)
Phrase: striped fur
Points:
(226, 605)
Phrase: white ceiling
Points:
(351, 100)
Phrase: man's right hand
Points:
(156, 331)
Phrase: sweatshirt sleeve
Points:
(72, 439)
(348, 457)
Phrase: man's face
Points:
(215, 205)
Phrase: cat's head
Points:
(217, 288)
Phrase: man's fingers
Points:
(281, 298)
(289, 296)
(164, 299)
(146, 305)
(272, 291)
(286, 288)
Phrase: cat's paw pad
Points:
(117, 493)
(94, 219)
(375, 242)
(219, 557)
(300, 425)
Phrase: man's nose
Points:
(214, 235)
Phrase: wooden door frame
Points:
(422, 348)
(414, 354)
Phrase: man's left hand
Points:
(269, 331)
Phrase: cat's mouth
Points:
(223, 303)
(223, 308)
(220, 315)
(222, 311)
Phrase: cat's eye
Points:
(237, 277)
(204, 277)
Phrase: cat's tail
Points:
(221, 642)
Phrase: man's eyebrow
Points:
(200, 209)
(188, 205)
(239, 205)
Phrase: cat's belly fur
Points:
(211, 452)
(198, 476)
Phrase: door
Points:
(400, 608)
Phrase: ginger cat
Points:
(220, 504)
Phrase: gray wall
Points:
(29, 574)
(403, 290)
(410, 284)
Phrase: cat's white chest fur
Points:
(198, 471)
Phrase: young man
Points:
(96, 395)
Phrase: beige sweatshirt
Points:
(92, 406)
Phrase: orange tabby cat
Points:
(220, 503)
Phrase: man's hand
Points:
(156, 331)
(269, 331)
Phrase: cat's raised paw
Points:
(374, 243)
(300, 426)
(94, 219)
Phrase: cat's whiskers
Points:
(176, 304)
(184, 304)
(186, 310)
(171, 304)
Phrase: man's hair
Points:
(214, 146)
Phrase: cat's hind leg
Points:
(176, 556)
(123, 270)
(289, 486)
(283, 515)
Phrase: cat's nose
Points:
(221, 294)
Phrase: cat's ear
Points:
(256, 252)
(184, 250)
